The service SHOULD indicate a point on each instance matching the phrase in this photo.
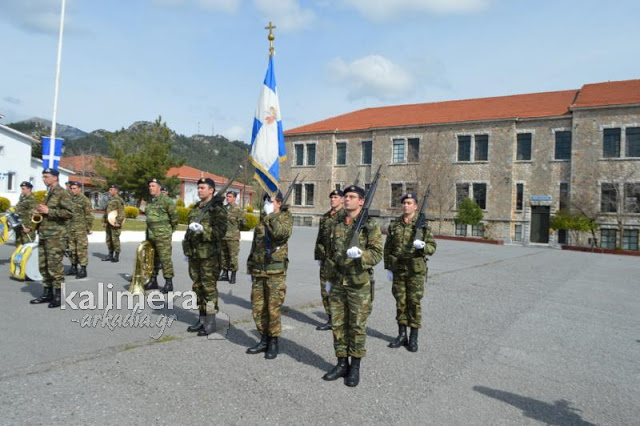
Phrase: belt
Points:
(158, 223)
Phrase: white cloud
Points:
(236, 133)
(383, 9)
(228, 6)
(372, 76)
(38, 16)
(287, 15)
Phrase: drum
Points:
(24, 263)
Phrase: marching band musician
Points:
(79, 229)
(112, 234)
(25, 207)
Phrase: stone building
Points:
(521, 158)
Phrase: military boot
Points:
(340, 370)
(116, 257)
(232, 278)
(56, 299)
(168, 285)
(73, 270)
(413, 340)
(325, 326)
(152, 284)
(209, 325)
(261, 346)
(224, 275)
(108, 258)
(272, 348)
(401, 340)
(353, 378)
(199, 324)
(47, 296)
(82, 272)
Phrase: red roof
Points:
(193, 174)
(80, 163)
(609, 93)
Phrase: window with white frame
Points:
(303, 194)
(11, 181)
(305, 154)
(461, 229)
(632, 142)
(632, 197)
(517, 233)
(630, 239)
(519, 196)
(367, 152)
(523, 148)
(341, 153)
(473, 148)
(398, 189)
(477, 230)
(563, 145)
(611, 140)
(608, 238)
(608, 198)
(476, 191)
(406, 150)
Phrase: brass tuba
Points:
(142, 268)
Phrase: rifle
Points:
(422, 217)
(289, 191)
(364, 214)
(267, 238)
(219, 197)
(357, 181)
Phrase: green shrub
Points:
(249, 209)
(40, 195)
(183, 214)
(190, 206)
(131, 212)
(180, 202)
(251, 221)
(469, 212)
(4, 204)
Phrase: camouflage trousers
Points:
(408, 290)
(204, 274)
(24, 237)
(162, 256)
(323, 290)
(350, 308)
(230, 249)
(79, 248)
(267, 297)
(50, 254)
(113, 238)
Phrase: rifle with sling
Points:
(219, 197)
(364, 214)
(422, 217)
(267, 239)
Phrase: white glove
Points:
(250, 278)
(268, 207)
(418, 244)
(195, 227)
(319, 262)
(390, 275)
(327, 287)
(354, 253)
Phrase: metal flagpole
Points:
(57, 83)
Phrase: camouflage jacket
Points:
(235, 222)
(114, 203)
(324, 235)
(82, 219)
(355, 272)
(25, 207)
(206, 243)
(399, 253)
(270, 250)
(54, 223)
(162, 217)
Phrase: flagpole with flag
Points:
(52, 147)
(267, 138)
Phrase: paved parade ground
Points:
(512, 335)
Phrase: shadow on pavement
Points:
(296, 315)
(378, 335)
(558, 413)
(234, 300)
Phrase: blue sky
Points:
(200, 63)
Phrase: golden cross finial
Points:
(271, 37)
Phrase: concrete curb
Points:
(138, 236)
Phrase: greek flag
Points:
(267, 139)
(51, 152)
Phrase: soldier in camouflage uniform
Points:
(267, 264)
(79, 229)
(56, 211)
(405, 259)
(231, 242)
(162, 220)
(349, 284)
(202, 246)
(322, 244)
(112, 234)
(25, 207)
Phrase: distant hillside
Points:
(213, 154)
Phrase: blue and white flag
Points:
(267, 139)
(51, 153)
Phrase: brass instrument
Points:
(143, 267)
(36, 218)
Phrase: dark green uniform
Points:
(267, 263)
(162, 220)
(409, 267)
(79, 227)
(113, 233)
(320, 253)
(24, 209)
(231, 242)
(203, 250)
(350, 297)
(52, 231)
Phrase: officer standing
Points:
(202, 245)
(267, 264)
(231, 242)
(349, 285)
(56, 212)
(322, 244)
(405, 259)
(162, 220)
(25, 207)
(79, 229)
(112, 234)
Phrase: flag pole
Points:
(57, 82)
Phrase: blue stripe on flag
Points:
(270, 78)
(51, 155)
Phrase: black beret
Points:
(74, 182)
(233, 193)
(336, 192)
(52, 172)
(409, 196)
(356, 189)
(278, 197)
(114, 185)
(27, 184)
(153, 180)
(207, 181)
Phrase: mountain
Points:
(62, 130)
